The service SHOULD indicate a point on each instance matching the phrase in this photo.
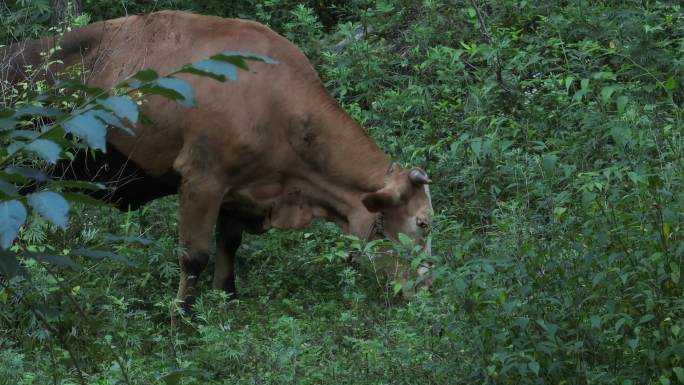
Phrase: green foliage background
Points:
(553, 132)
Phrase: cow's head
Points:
(403, 205)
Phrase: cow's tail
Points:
(27, 60)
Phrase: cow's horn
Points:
(418, 177)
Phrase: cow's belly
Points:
(128, 185)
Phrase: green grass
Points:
(558, 242)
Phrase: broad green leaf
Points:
(122, 106)
(646, 318)
(77, 184)
(621, 103)
(9, 265)
(584, 84)
(568, 82)
(89, 128)
(74, 85)
(675, 272)
(37, 110)
(82, 198)
(146, 75)
(7, 124)
(670, 84)
(46, 149)
(534, 367)
(112, 120)
(598, 278)
(117, 238)
(179, 87)
(171, 88)
(236, 57)
(604, 75)
(606, 93)
(12, 216)
(548, 163)
(24, 173)
(460, 285)
(405, 239)
(102, 254)
(23, 134)
(679, 372)
(58, 260)
(8, 188)
(52, 206)
(216, 69)
(174, 376)
(396, 287)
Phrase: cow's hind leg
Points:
(200, 202)
(228, 238)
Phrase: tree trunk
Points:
(63, 10)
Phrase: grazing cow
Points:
(271, 150)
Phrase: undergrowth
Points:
(553, 132)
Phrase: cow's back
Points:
(236, 119)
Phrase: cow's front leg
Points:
(200, 202)
(228, 238)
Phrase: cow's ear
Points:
(379, 200)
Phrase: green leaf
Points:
(396, 287)
(174, 376)
(58, 260)
(102, 254)
(670, 84)
(77, 184)
(12, 216)
(83, 198)
(122, 106)
(460, 285)
(679, 372)
(534, 367)
(674, 272)
(10, 266)
(598, 277)
(584, 84)
(146, 75)
(7, 124)
(118, 238)
(646, 318)
(621, 103)
(37, 110)
(472, 12)
(568, 82)
(606, 93)
(238, 58)
(112, 120)
(219, 70)
(548, 163)
(8, 188)
(21, 174)
(89, 128)
(181, 89)
(51, 206)
(46, 149)
(405, 239)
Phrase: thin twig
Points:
(46, 324)
(490, 40)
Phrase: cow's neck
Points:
(343, 163)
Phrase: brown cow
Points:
(271, 150)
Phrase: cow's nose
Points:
(423, 223)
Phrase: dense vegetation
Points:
(553, 132)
